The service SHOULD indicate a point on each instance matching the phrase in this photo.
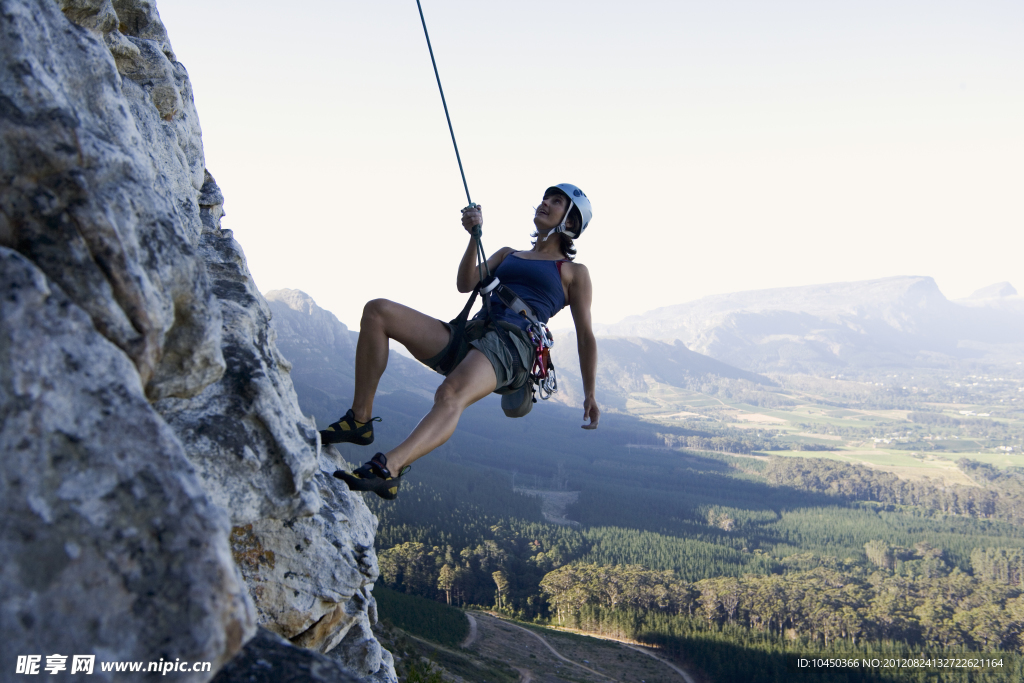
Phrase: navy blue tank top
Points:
(538, 283)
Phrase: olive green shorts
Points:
(485, 339)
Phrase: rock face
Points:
(94, 178)
(109, 544)
(144, 406)
(253, 448)
(269, 658)
(312, 576)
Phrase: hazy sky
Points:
(725, 145)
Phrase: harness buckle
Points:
(488, 285)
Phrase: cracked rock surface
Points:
(311, 576)
(109, 544)
(269, 658)
(94, 191)
(160, 487)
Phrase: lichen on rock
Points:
(313, 573)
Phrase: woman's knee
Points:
(470, 381)
(447, 395)
(375, 311)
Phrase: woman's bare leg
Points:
(424, 336)
(470, 381)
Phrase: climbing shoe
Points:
(347, 430)
(374, 476)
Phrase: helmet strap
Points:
(561, 226)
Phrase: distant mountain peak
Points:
(295, 299)
(827, 298)
(997, 291)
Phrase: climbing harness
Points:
(541, 376)
(543, 371)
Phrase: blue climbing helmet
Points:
(576, 199)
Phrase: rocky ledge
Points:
(161, 493)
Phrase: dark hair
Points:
(565, 243)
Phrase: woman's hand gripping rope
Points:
(473, 221)
(472, 216)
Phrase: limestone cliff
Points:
(161, 492)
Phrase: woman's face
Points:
(550, 212)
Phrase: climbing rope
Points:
(443, 102)
(481, 255)
(486, 282)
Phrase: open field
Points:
(899, 463)
(843, 420)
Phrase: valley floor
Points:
(892, 425)
(539, 655)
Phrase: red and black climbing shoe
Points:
(348, 430)
(374, 476)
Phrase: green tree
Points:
(445, 581)
(501, 581)
(880, 554)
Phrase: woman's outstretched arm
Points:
(581, 294)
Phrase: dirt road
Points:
(553, 656)
(472, 631)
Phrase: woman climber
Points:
(482, 360)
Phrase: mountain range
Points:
(629, 365)
(322, 352)
(873, 325)
(887, 323)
